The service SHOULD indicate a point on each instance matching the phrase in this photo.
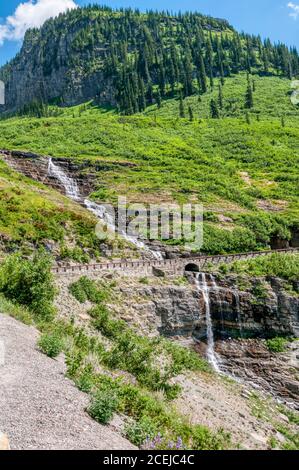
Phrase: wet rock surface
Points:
(254, 364)
(36, 166)
(261, 308)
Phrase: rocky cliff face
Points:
(43, 71)
(262, 307)
(36, 167)
(251, 361)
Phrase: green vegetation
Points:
(14, 310)
(29, 283)
(267, 412)
(123, 377)
(277, 345)
(50, 344)
(241, 173)
(33, 216)
(139, 431)
(103, 406)
(146, 58)
(284, 266)
(174, 73)
(134, 353)
(85, 289)
(101, 371)
(111, 391)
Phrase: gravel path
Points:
(40, 408)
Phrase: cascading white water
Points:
(100, 211)
(70, 185)
(203, 287)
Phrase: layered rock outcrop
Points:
(252, 362)
(35, 166)
(262, 307)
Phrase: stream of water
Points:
(203, 287)
(100, 211)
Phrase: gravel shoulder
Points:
(40, 408)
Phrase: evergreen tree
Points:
(142, 99)
(220, 97)
(158, 98)
(190, 112)
(201, 74)
(249, 97)
(181, 106)
(214, 110)
(135, 52)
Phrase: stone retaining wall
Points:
(175, 266)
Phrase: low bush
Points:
(277, 345)
(50, 344)
(103, 405)
(204, 439)
(140, 431)
(29, 282)
(86, 289)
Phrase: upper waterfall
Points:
(70, 185)
(99, 210)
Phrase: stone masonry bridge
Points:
(175, 266)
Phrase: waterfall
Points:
(100, 211)
(203, 287)
(70, 185)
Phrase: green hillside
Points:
(131, 60)
(33, 216)
(243, 167)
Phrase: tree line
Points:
(152, 56)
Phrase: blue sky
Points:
(270, 18)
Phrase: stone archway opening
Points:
(192, 268)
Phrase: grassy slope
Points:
(284, 266)
(32, 214)
(199, 161)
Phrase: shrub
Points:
(86, 289)
(50, 344)
(140, 431)
(85, 380)
(281, 265)
(277, 345)
(103, 406)
(29, 283)
(102, 322)
(204, 439)
(75, 254)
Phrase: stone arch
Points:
(192, 268)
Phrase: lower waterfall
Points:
(203, 287)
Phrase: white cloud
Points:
(295, 10)
(32, 14)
